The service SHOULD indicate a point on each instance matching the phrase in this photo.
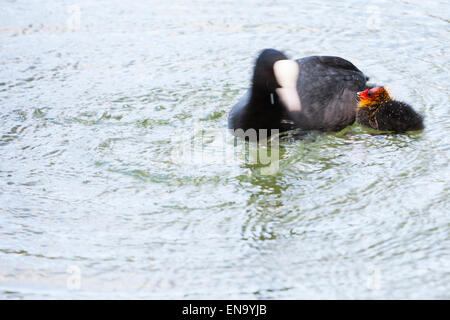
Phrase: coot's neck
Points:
(263, 98)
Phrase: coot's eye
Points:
(369, 94)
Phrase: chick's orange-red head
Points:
(372, 96)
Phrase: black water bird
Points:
(311, 93)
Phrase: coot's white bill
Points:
(286, 73)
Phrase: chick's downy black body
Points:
(390, 115)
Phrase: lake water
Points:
(99, 98)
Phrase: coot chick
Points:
(377, 110)
(312, 93)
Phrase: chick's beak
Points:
(363, 94)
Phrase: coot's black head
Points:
(264, 76)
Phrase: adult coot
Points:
(312, 93)
(377, 110)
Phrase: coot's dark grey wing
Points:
(327, 87)
(337, 62)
